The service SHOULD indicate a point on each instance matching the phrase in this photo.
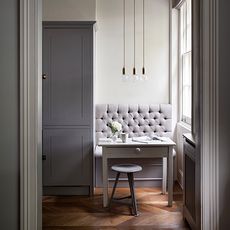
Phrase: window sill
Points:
(185, 126)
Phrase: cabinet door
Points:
(67, 89)
(68, 157)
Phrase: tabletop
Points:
(163, 141)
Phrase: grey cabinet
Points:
(67, 157)
(67, 108)
(191, 188)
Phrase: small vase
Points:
(114, 137)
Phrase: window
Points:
(186, 61)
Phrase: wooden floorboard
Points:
(87, 213)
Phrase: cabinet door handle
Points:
(43, 157)
(138, 149)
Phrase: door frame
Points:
(30, 114)
(31, 109)
(209, 113)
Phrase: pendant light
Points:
(125, 77)
(135, 76)
(144, 76)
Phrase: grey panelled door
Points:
(67, 108)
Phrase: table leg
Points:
(164, 180)
(170, 176)
(105, 179)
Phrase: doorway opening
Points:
(30, 119)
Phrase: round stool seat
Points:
(126, 168)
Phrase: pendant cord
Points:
(134, 29)
(143, 33)
(124, 19)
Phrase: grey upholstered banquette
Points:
(136, 120)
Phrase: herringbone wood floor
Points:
(87, 213)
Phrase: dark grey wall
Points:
(9, 115)
(224, 109)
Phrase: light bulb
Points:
(124, 76)
(144, 76)
(141, 78)
(136, 77)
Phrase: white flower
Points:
(115, 126)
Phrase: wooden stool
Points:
(129, 169)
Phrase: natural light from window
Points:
(186, 61)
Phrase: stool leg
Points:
(131, 186)
(114, 187)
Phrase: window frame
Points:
(183, 118)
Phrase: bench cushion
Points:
(137, 120)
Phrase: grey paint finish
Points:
(9, 115)
(68, 107)
(68, 156)
(190, 182)
(224, 113)
(66, 57)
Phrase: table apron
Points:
(140, 152)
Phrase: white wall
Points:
(109, 88)
(109, 52)
(69, 10)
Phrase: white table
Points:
(153, 149)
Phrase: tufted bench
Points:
(137, 120)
